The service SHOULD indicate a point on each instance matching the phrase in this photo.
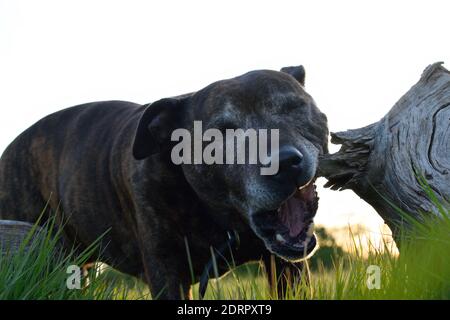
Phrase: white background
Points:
(360, 57)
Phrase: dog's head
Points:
(276, 196)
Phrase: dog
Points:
(107, 166)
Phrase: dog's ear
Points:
(297, 72)
(156, 125)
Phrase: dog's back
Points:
(60, 162)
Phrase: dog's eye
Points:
(293, 106)
(230, 126)
(223, 126)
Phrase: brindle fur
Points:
(82, 161)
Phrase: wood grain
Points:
(385, 159)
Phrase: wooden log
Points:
(385, 159)
(13, 233)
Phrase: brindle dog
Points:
(107, 166)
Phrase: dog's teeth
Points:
(304, 186)
(310, 231)
(280, 238)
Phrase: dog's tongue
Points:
(291, 214)
(292, 211)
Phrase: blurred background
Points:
(360, 57)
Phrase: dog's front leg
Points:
(164, 265)
(165, 279)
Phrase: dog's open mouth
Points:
(288, 231)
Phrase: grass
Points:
(421, 271)
(39, 270)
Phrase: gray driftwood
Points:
(12, 234)
(384, 159)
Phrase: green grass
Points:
(421, 271)
(38, 270)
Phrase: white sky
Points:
(360, 57)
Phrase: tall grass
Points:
(39, 270)
(420, 271)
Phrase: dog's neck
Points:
(165, 184)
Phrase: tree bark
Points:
(383, 162)
(12, 234)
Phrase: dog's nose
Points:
(294, 166)
(290, 160)
(290, 163)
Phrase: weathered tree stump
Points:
(385, 159)
(13, 233)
